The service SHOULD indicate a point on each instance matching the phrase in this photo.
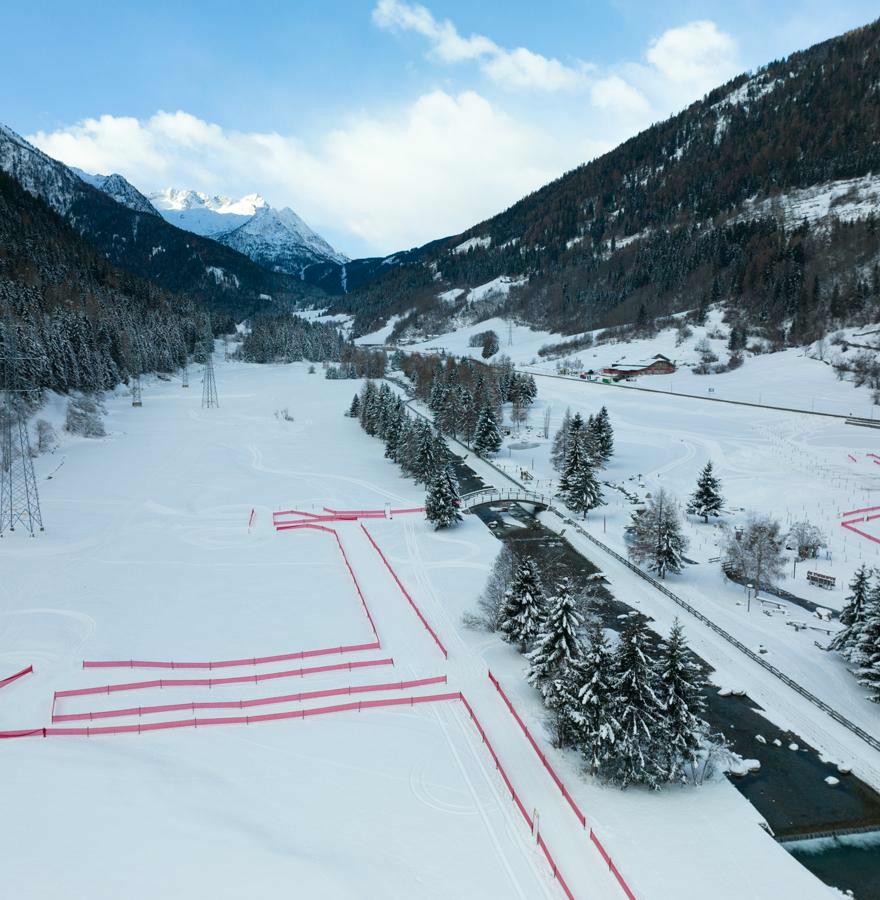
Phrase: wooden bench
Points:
(823, 581)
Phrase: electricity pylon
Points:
(19, 499)
(209, 385)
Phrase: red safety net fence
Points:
(16, 676)
(248, 703)
(405, 593)
(516, 798)
(565, 793)
(256, 678)
(281, 523)
(141, 727)
(225, 663)
(861, 516)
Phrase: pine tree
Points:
(605, 435)
(657, 538)
(559, 450)
(442, 501)
(426, 462)
(706, 500)
(524, 607)
(579, 486)
(593, 716)
(681, 694)
(558, 645)
(355, 407)
(852, 614)
(487, 438)
(636, 757)
(866, 653)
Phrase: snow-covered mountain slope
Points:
(277, 239)
(119, 189)
(38, 174)
(202, 214)
(280, 240)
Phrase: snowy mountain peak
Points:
(277, 239)
(175, 200)
(121, 190)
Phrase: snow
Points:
(221, 276)
(381, 335)
(280, 236)
(147, 553)
(471, 243)
(203, 214)
(846, 200)
(497, 287)
(119, 189)
(793, 378)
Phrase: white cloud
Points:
(448, 44)
(616, 94)
(373, 185)
(518, 69)
(698, 55)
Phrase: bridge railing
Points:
(489, 495)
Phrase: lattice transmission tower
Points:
(209, 384)
(19, 498)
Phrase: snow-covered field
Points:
(148, 554)
(791, 378)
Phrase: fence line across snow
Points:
(405, 593)
(225, 663)
(16, 676)
(247, 704)
(213, 682)
(559, 783)
(228, 720)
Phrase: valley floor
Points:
(148, 554)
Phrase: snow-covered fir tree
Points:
(559, 449)
(579, 487)
(427, 459)
(636, 757)
(487, 438)
(853, 612)
(657, 540)
(554, 660)
(706, 500)
(442, 501)
(559, 644)
(355, 407)
(593, 717)
(681, 693)
(525, 606)
(605, 435)
(866, 652)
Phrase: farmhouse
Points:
(656, 365)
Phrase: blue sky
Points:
(384, 123)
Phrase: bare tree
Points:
(806, 538)
(755, 554)
(491, 602)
